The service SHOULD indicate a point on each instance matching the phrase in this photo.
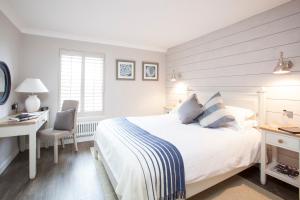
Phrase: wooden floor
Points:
(75, 177)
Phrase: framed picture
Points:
(150, 71)
(125, 70)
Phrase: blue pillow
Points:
(214, 114)
(189, 110)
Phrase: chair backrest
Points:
(71, 104)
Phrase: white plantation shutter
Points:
(81, 78)
(70, 77)
(93, 91)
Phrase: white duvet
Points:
(205, 152)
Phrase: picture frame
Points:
(125, 69)
(150, 71)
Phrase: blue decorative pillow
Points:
(189, 110)
(214, 114)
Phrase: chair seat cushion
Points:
(52, 133)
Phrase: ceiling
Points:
(145, 24)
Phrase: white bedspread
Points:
(205, 152)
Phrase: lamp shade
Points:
(283, 67)
(32, 85)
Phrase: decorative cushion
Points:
(240, 114)
(189, 110)
(215, 114)
(64, 120)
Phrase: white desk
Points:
(30, 128)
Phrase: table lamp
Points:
(32, 86)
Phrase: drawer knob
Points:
(280, 141)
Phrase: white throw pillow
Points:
(240, 114)
(243, 125)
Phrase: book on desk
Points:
(24, 117)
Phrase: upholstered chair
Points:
(55, 135)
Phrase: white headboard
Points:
(251, 100)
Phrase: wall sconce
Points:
(181, 91)
(283, 67)
(173, 76)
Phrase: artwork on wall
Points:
(125, 70)
(150, 71)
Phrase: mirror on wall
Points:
(5, 82)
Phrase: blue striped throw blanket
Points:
(160, 161)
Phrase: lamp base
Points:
(32, 103)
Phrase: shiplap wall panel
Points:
(241, 58)
(277, 105)
(275, 28)
(258, 56)
(268, 17)
(271, 41)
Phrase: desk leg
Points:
(32, 155)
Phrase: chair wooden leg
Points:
(75, 142)
(38, 148)
(55, 150)
(62, 143)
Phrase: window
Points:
(81, 78)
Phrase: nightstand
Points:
(276, 138)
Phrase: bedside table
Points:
(276, 138)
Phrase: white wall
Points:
(40, 59)
(9, 52)
(242, 57)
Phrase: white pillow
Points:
(243, 125)
(240, 114)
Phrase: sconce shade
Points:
(31, 85)
(173, 76)
(283, 67)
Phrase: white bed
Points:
(209, 155)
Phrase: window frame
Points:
(83, 54)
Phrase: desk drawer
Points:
(282, 141)
(42, 119)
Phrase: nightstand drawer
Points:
(282, 141)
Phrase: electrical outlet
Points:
(288, 113)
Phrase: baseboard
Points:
(8, 160)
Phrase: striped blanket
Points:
(160, 161)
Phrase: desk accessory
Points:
(23, 117)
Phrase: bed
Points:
(209, 156)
